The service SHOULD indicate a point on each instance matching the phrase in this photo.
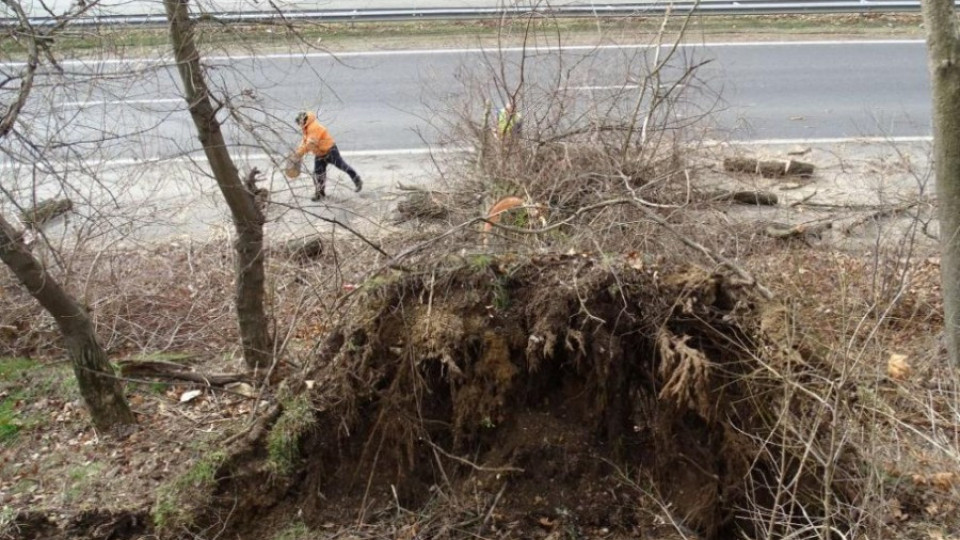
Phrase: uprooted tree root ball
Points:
(575, 393)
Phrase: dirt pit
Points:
(540, 397)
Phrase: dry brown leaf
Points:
(897, 366)
(408, 532)
(942, 481)
(242, 388)
(896, 511)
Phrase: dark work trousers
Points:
(334, 158)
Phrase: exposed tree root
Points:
(537, 384)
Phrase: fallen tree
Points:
(529, 385)
(156, 369)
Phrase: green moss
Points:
(173, 357)
(294, 531)
(283, 443)
(377, 282)
(16, 385)
(501, 293)
(10, 424)
(82, 480)
(11, 367)
(179, 499)
(7, 516)
(480, 262)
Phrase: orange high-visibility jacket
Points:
(316, 139)
(501, 206)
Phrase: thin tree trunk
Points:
(100, 389)
(939, 18)
(247, 220)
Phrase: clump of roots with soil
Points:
(531, 395)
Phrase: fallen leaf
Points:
(896, 512)
(635, 260)
(190, 395)
(241, 388)
(408, 532)
(943, 481)
(546, 523)
(897, 366)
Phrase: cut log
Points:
(763, 198)
(421, 205)
(803, 231)
(768, 168)
(291, 166)
(45, 211)
(170, 371)
(302, 249)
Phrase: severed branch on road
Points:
(784, 231)
(751, 197)
(815, 228)
(883, 213)
(769, 168)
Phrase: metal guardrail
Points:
(708, 7)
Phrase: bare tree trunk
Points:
(100, 389)
(939, 18)
(247, 220)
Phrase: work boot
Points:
(358, 183)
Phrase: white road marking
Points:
(120, 102)
(825, 140)
(614, 87)
(405, 52)
(572, 48)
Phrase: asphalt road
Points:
(396, 101)
(387, 105)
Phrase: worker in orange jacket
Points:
(318, 141)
